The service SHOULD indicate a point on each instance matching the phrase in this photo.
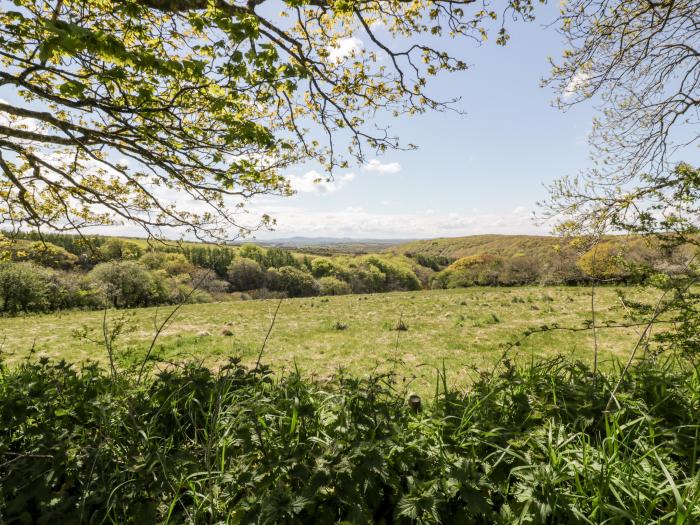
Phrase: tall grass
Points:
(531, 444)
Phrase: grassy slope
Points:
(504, 245)
(456, 326)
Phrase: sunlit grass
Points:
(463, 328)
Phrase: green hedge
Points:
(531, 445)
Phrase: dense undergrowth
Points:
(528, 445)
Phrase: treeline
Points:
(29, 287)
(39, 276)
(617, 260)
(305, 275)
(90, 250)
(63, 271)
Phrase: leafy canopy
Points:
(640, 61)
(174, 113)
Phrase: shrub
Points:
(434, 262)
(398, 275)
(117, 250)
(207, 281)
(604, 261)
(473, 270)
(171, 263)
(24, 287)
(561, 268)
(127, 284)
(322, 267)
(293, 281)
(519, 270)
(179, 292)
(633, 260)
(245, 274)
(333, 286)
(71, 290)
(366, 279)
(41, 253)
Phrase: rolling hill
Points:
(500, 245)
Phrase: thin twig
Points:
(543, 329)
(657, 312)
(593, 318)
(25, 456)
(267, 335)
(108, 345)
(612, 398)
(634, 327)
(160, 328)
(398, 336)
(593, 326)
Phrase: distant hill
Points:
(329, 245)
(500, 245)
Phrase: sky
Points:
(474, 173)
(479, 172)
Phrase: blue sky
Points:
(474, 173)
(482, 172)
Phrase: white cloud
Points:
(382, 168)
(314, 182)
(344, 48)
(356, 222)
(578, 81)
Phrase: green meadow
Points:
(466, 329)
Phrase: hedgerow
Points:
(191, 445)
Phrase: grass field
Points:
(464, 328)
